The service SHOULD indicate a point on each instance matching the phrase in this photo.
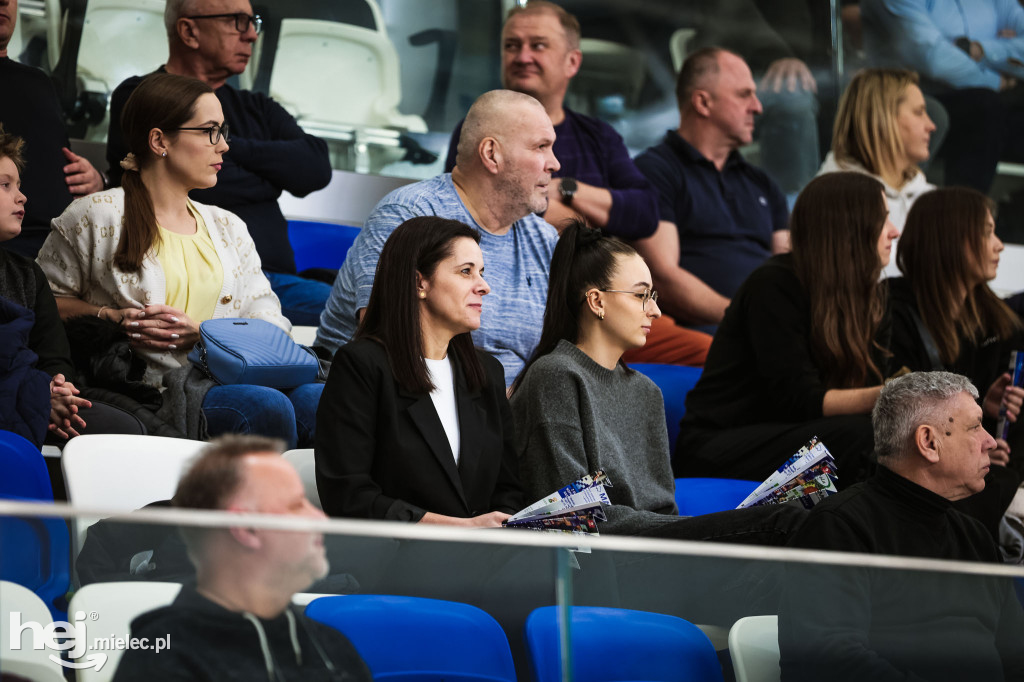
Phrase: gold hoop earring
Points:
(600, 315)
(423, 294)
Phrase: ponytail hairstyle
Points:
(163, 101)
(834, 229)
(585, 258)
(392, 316)
(941, 251)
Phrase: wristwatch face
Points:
(567, 188)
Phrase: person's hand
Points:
(160, 327)
(1000, 454)
(1006, 82)
(491, 520)
(1002, 398)
(975, 51)
(116, 315)
(80, 175)
(64, 406)
(788, 73)
(1006, 33)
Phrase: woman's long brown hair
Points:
(834, 229)
(941, 254)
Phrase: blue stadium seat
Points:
(675, 382)
(35, 553)
(24, 469)
(613, 645)
(320, 245)
(411, 639)
(696, 496)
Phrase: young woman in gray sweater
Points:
(577, 407)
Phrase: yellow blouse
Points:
(192, 269)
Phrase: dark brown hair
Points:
(10, 147)
(834, 229)
(163, 101)
(584, 259)
(941, 251)
(392, 316)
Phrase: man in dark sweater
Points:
(877, 624)
(212, 40)
(238, 622)
(597, 179)
(30, 110)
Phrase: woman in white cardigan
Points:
(148, 258)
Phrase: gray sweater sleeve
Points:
(560, 440)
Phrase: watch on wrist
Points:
(567, 189)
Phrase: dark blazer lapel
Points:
(424, 416)
(471, 422)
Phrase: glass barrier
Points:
(616, 603)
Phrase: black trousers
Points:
(754, 452)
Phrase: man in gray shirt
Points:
(498, 185)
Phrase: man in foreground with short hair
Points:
(721, 217)
(212, 40)
(597, 179)
(878, 624)
(238, 622)
(499, 184)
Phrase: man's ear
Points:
(187, 33)
(490, 154)
(574, 60)
(700, 100)
(927, 443)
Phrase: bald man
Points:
(499, 184)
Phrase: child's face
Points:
(12, 201)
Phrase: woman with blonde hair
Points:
(883, 129)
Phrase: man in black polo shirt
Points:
(720, 216)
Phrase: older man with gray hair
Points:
(890, 625)
(500, 182)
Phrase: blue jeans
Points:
(244, 408)
(302, 300)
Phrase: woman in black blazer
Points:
(414, 424)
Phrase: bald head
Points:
(494, 114)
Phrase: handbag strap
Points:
(926, 338)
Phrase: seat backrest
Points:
(42, 562)
(24, 469)
(675, 381)
(116, 605)
(121, 38)
(305, 464)
(320, 245)
(25, 660)
(620, 644)
(336, 73)
(697, 496)
(754, 649)
(399, 637)
(122, 472)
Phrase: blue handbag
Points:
(236, 351)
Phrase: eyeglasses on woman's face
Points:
(216, 132)
(644, 297)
